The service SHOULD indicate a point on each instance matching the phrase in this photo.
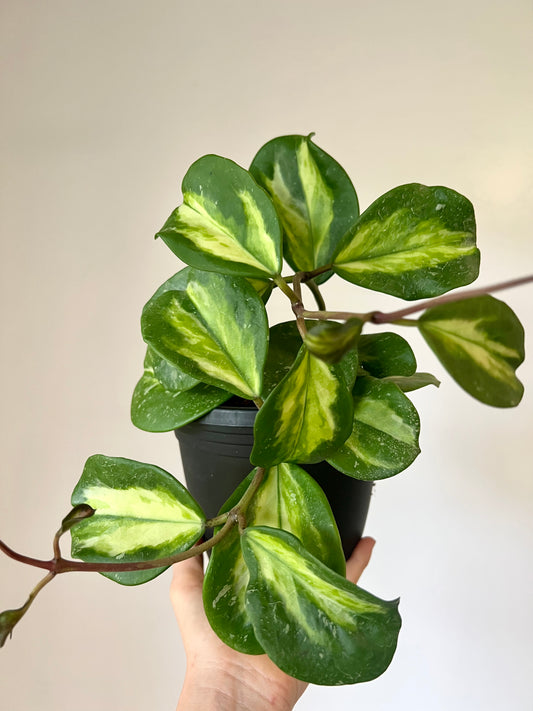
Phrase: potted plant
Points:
(319, 388)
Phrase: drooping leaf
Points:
(158, 406)
(384, 438)
(290, 499)
(330, 341)
(313, 195)
(8, 620)
(408, 383)
(215, 329)
(314, 624)
(306, 417)
(480, 342)
(413, 242)
(226, 222)
(385, 354)
(141, 514)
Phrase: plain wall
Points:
(105, 105)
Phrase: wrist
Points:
(230, 690)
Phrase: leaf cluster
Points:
(325, 389)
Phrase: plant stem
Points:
(337, 315)
(380, 317)
(297, 307)
(60, 565)
(37, 589)
(313, 287)
(286, 289)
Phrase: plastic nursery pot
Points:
(215, 452)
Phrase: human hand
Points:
(218, 678)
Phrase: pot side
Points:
(215, 452)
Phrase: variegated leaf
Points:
(141, 514)
(480, 342)
(384, 438)
(290, 499)
(226, 222)
(159, 404)
(215, 329)
(178, 281)
(415, 241)
(313, 196)
(314, 624)
(384, 354)
(306, 417)
(330, 341)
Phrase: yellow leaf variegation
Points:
(215, 329)
(297, 603)
(384, 437)
(480, 341)
(415, 241)
(306, 417)
(141, 514)
(226, 222)
(313, 196)
(289, 499)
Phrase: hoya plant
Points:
(326, 388)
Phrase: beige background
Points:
(106, 103)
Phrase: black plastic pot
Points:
(215, 452)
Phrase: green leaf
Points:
(413, 242)
(313, 195)
(290, 499)
(314, 624)
(8, 620)
(215, 329)
(412, 382)
(284, 345)
(263, 287)
(158, 406)
(226, 222)
(306, 417)
(75, 515)
(480, 342)
(384, 354)
(141, 514)
(330, 341)
(384, 438)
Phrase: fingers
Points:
(359, 559)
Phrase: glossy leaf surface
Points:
(384, 438)
(290, 499)
(480, 342)
(158, 406)
(413, 242)
(141, 514)
(384, 354)
(313, 196)
(215, 329)
(283, 347)
(313, 623)
(226, 222)
(330, 341)
(306, 417)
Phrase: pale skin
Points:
(218, 678)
